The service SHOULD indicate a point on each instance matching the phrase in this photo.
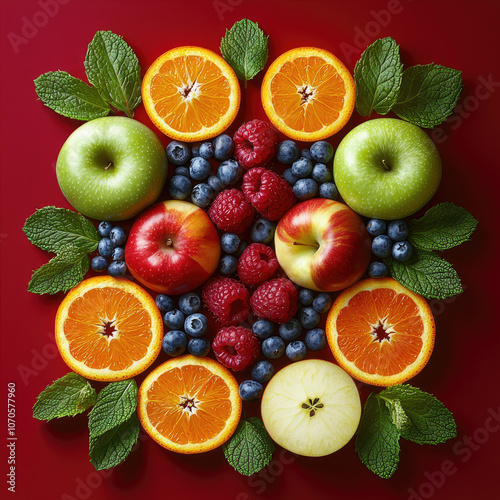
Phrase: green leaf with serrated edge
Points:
(61, 273)
(52, 229)
(65, 397)
(442, 227)
(430, 422)
(245, 48)
(377, 438)
(427, 274)
(428, 94)
(250, 448)
(70, 96)
(377, 76)
(115, 404)
(114, 70)
(113, 447)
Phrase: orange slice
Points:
(108, 329)
(189, 404)
(308, 94)
(380, 332)
(191, 94)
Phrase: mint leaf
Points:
(427, 274)
(113, 69)
(52, 229)
(428, 94)
(111, 448)
(245, 48)
(377, 76)
(115, 404)
(70, 96)
(250, 448)
(430, 422)
(443, 226)
(377, 439)
(65, 397)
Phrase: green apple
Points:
(387, 168)
(112, 168)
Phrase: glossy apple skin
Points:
(323, 245)
(112, 168)
(173, 247)
(406, 183)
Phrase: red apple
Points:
(323, 245)
(173, 247)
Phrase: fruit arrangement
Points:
(242, 255)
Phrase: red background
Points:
(51, 458)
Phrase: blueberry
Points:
(118, 236)
(175, 342)
(195, 151)
(305, 153)
(215, 183)
(228, 264)
(199, 347)
(99, 263)
(202, 195)
(174, 319)
(190, 303)
(164, 302)
(179, 187)
(381, 246)
(328, 190)
(229, 172)
(309, 317)
(206, 150)
(117, 269)
(196, 325)
(302, 168)
(182, 171)
(377, 270)
(304, 189)
(290, 330)
(105, 247)
(322, 302)
(104, 228)
(315, 339)
(402, 251)
(306, 296)
(250, 390)
(397, 230)
(262, 372)
(229, 242)
(199, 168)
(321, 173)
(241, 248)
(296, 350)
(118, 253)
(262, 231)
(273, 347)
(289, 177)
(287, 152)
(223, 147)
(178, 153)
(322, 151)
(263, 328)
(376, 227)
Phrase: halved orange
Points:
(189, 404)
(108, 329)
(191, 94)
(380, 332)
(308, 94)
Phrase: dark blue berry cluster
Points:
(111, 250)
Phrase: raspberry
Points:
(275, 300)
(236, 347)
(269, 193)
(227, 300)
(231, 212)
(256, 143)
(257, 264)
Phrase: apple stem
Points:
(169, 242)
(108, 166)
(386, 166)
(304, 244)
